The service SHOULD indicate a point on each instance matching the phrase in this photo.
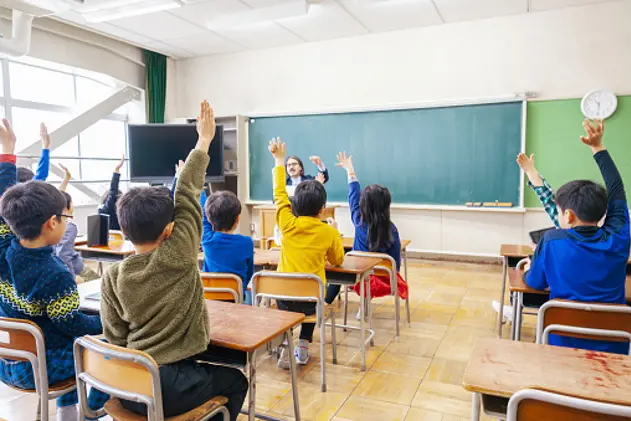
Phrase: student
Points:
(65, 249)
(374, 231)
(35, 285)
(296, 171)
(110, 197)
(224, 250)
(154, 302)
(25, 174)
(584, 262)
(307, 242)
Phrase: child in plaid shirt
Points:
(540, 186)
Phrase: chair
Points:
(610, 322)
(384, 268)
(525, 300)
(24, 340)
(131, 375)
(299, 287)
(538, 405)
(222, 287)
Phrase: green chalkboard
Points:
(553, 135)
(439, 156)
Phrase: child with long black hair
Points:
(374, 231)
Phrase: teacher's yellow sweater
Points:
(307, 242)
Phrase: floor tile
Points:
(380, 386)
(366, 409)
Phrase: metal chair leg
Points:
(333, 337)
(345, 306)
(323, 356)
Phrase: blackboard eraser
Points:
(474, 204)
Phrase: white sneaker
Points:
(283, 361)
(301, 353)
(358, 316)
(67, 413)
(507, 314)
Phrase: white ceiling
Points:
(184, 32)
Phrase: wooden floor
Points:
(416, 377)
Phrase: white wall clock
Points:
(599, 104)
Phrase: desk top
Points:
(246, 328)
(348, 243)
(234, 326)
(515, 250)
(119, 248)
(516, 283)
(501, 368)
(353, 265)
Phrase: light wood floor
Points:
(416, 377)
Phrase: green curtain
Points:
(156, 75)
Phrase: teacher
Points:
(296, 171)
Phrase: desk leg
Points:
(345, 306)
(500, 314)
(520, 309)
(475, 409)
(292, 369)
(252, 389)
(362, 332)
(513, 331)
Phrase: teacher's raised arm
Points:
(296, 172)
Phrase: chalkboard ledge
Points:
(410, 206)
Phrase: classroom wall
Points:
(558, 54)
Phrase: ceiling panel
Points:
(462, 10)
(202, 13)
(391, 15)
(255, 4)
(168, 50)
(538, 5)
(205, 43)
(263, 35)
(324, 21)
(119, 32)
(159, 26)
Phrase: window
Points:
(33, 91)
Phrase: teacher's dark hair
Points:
(374, 208)
(294, 157)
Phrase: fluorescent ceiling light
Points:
(40, 8)
(128, 8)
(264, 14)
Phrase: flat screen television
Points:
(154, 149)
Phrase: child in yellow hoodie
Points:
(307, 243)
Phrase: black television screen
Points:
(154, 149)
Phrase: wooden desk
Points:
(235, 326)
(347, 242)
(508, 251)
(267, 218)
(501, 368)
(354, 269)
(114, 252)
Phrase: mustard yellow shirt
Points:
(307, 242)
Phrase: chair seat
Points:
(115, 409)
(66, 384)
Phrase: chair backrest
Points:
(125, 373)
(536, 405)
(287, 286)
(222, 287)
(385, 268)
(584, 320)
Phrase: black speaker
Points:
(98, 230)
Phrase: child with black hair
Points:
(154, 301)
(110, 197)
(34, 284)
(582, 261)
(374, 231)
(307, 243)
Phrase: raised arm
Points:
(540, 186)
(43, 166)
(8, 178)
(67, 176)
(617, 208)
(321, 168)
(178, 169)
(284, 216)
(109, 207)
(187, 230)
(354, 189)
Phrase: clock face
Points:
(599, 104)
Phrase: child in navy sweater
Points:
(34, 284)
(585, 262)
(374, 231)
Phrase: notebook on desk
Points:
(95, 296)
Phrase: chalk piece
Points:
(474, 204)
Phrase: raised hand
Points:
(43, 134)
(345, 161)
(594, 131)
(7, 137)
(67, 176)
(526, 163)
(316, 160)
(320, 178)
(206, 125)
(277, 148)
(178, 167)
(118, 167)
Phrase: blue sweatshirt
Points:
(227, 253)
(43, 166)
(588, 264)
(361, 229)
(37, 286)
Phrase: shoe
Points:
(283, 361)
(507, 314)
(301, 353)
(358, 315)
